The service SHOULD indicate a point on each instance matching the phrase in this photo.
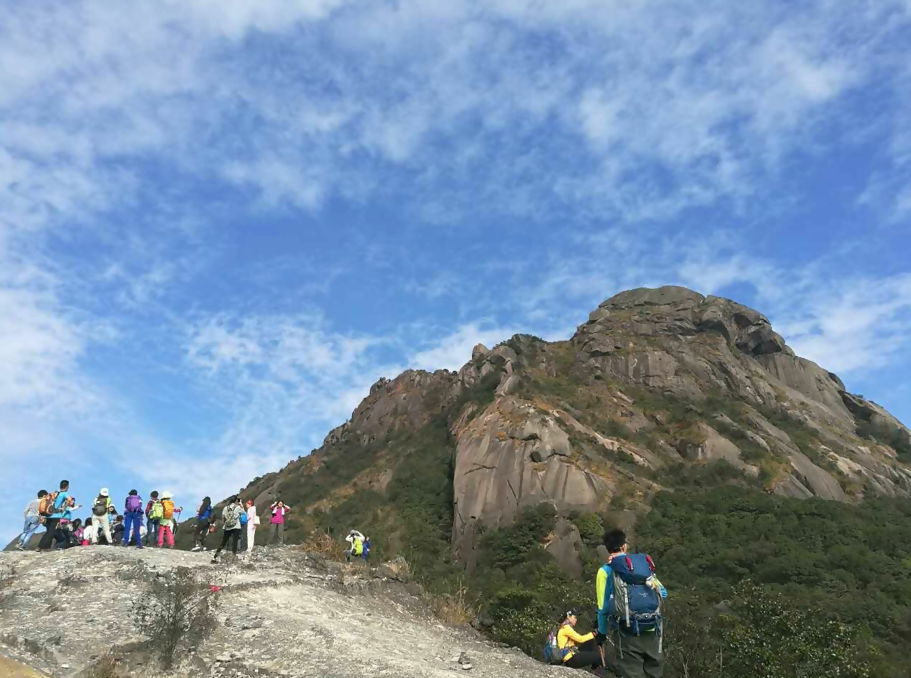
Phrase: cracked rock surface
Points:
(281, 612)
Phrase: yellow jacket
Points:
(567, 639)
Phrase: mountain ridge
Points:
(654, 379)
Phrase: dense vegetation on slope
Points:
(685, 416)
(761, 585)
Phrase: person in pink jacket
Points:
(279, 511)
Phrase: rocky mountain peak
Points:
(657, 380)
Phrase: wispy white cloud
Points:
(601, 99)
(454, 350)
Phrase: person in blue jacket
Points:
(204, 520)
(243, 528)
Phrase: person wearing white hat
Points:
(99, 513)
(166, 526)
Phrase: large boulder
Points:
(512, 456)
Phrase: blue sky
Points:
(221, 221)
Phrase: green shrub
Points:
(590, 527)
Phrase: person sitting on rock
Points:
(580, 651)
(88, 532)
(119, 529)
(76, 534)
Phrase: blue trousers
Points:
(132, 522)
(31, 526)
(152, 531)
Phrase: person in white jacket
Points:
(356, 539)
(252, 522)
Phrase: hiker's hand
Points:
(600, 638)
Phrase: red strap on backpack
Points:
(629, 563)
(651, 563)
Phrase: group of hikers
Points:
(629, 597)
(151, 523)
(628, 592)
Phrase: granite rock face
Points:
(655, 378)
(280, 612)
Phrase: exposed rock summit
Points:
(654, 379)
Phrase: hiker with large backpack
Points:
(32, 515)
(231, 515)
(629, 608)
(567, 647)
(132, 515)
(100, 521)
(204, 521)
(53, 513)
(167, 521)
(154, 514)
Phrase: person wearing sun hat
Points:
(166, 526)
(100, 509)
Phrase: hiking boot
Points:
(20, 547)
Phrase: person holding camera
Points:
(279, 510)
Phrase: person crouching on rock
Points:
(231, 515)
(581, 652)
(203, 522)
(88, 532)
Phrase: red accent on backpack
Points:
(629, 564)
(651, 563)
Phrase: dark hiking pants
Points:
(234, 536)
(638, 656)
(587, 656)
(202, 531)
(50, 527)
(278, 529)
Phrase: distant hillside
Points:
(657, 384)
(499, 479)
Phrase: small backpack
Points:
(157, 511)
(46, 506)
(552, 652)
(101, 506)
(633, 603)
(134, 504)
(167, 509)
